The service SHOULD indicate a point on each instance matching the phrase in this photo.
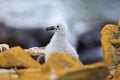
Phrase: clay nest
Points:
(39, 58)
(37, 53)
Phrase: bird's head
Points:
(60, 27)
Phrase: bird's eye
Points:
(57, 26)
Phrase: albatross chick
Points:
(59, 42)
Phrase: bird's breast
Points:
(59, 47)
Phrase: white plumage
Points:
(59, 42)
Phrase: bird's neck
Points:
(61, 37)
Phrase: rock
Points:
(59, 64)
(88, 44)
(63, 61)
(23, 74)
(58, 67)
(30, 74)
(116, 75)
(92, 72)
(88, 58)
(111, 50)
(108, 35)
(8, 74)
(17, 57)
(25, 38)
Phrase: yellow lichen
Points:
(63, 61)
(17, 57)
(97, 71)
(116, 75)
(109, 33)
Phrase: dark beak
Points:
(50, 28)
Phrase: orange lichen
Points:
(95, 65)
(31, 74)
(58, 66)
(63, 61)
(109, 33)
(111, 49)
(116, 76)
(93, 72)
(17, 57)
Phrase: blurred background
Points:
(22, 22)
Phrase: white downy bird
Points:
(59, 42)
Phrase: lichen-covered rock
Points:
(111, 50)
(92, 72)
(63, 61)
(58, 67)
(17, 57)
(23, 74)
(8, 74)
(95, 65)
(109, 36)
(116, 75)
(59, 64)
(89, 72)
(31, 74)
